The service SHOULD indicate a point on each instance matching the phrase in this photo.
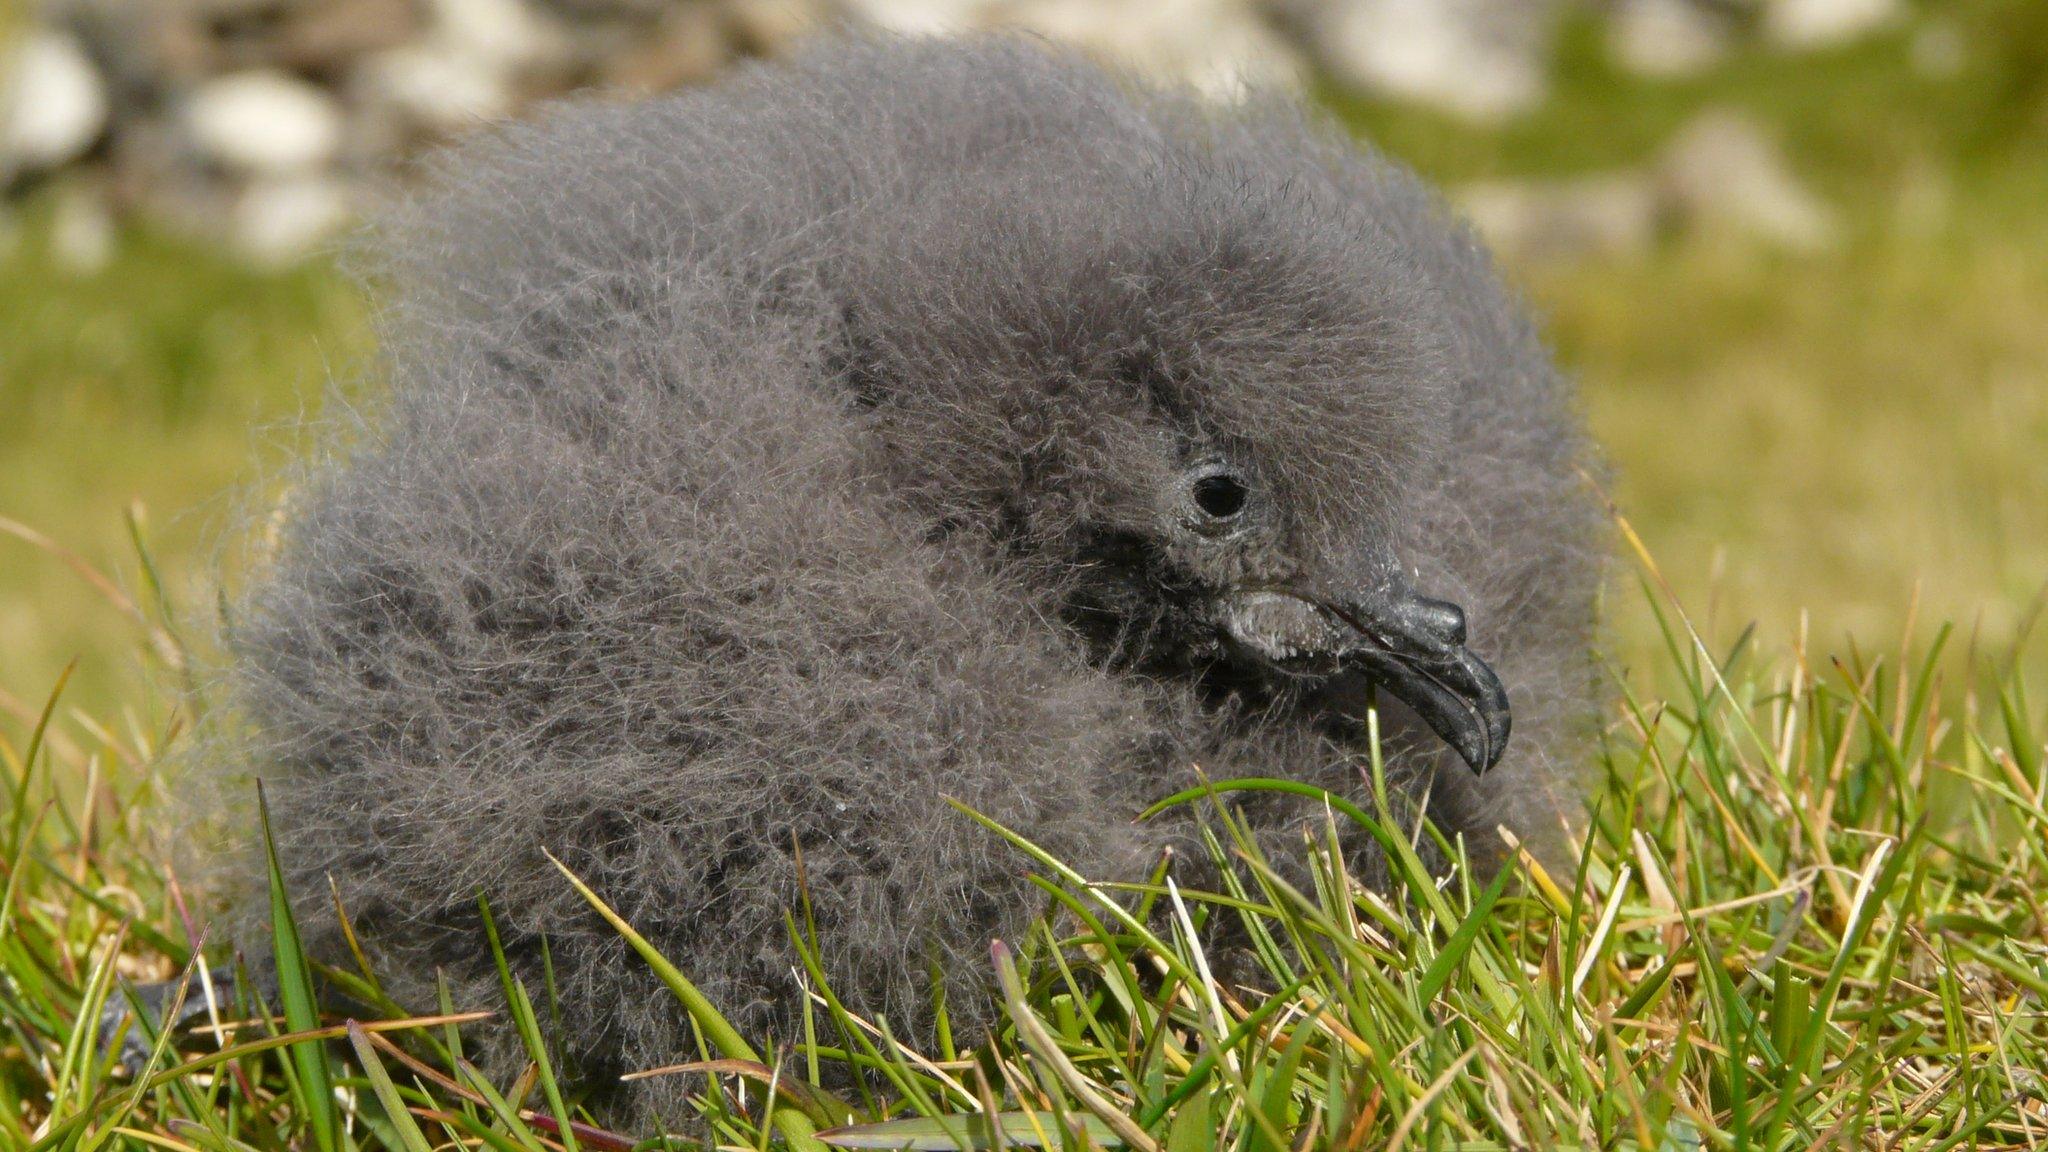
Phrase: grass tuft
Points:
(1804, 912)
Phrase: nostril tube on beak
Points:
(1414, 647)
(1443, 620)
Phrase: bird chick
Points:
(766, 464)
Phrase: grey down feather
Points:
(764, 464)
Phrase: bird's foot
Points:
(119, 1026)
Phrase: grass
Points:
(168, 381)
(1808, 909)
(1806, 913)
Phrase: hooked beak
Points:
(1414, 647)
(1409, 644)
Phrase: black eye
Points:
(1220, 495)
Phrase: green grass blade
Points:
(795, 1126)
(299, 1001)
(395, 1110)
(952, 1134)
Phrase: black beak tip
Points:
(1477, 752)
(1480, 746)
(1413, 647)
(1459, 697)
(1490, 737)
(1498, 722)
(1486, 738)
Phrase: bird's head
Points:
(1195, 406)
(1233, 596)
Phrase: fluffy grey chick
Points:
(767, 463)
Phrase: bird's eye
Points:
(1220, 495)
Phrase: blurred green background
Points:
(1802, 425)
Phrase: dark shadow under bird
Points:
(766, 464)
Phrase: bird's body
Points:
(767, 464)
